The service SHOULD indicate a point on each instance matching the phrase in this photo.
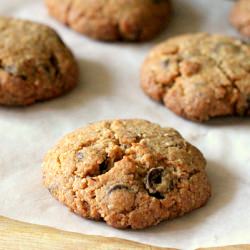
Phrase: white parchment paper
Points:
(109, 88)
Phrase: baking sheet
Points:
(109, 88)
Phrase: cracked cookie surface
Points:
(113, 20)
(240, 17)
(35, 64)
(199, 76)
(129, 173)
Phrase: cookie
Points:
(199, 76)
(240, 17)
(129, 173)
(35, 64)
(113, 20)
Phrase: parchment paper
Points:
(109, 88)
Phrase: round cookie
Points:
(35, 64)
(240, 17)
(199, 76)
(129, 173)
(112, 20)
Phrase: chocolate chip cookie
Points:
(240, 17)
(113, 20)
(129, 173)
(200, 76)
(35, 64)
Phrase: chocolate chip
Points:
(23, 77)
(158, 195)
(180, 59)
(157, 1)
(79, 155)
(54, 62)
(193, 172)
(138, 138)
(159, 181)
(104, 166)
(154, 177)
(117, 187)
(46, 68)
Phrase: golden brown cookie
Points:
(199, 76)
(129, 173)
(113, 20)
(35, 64)
(240, 16)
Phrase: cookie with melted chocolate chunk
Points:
(129, 173)
(113, 20)
(199, 76)
(35, 64)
